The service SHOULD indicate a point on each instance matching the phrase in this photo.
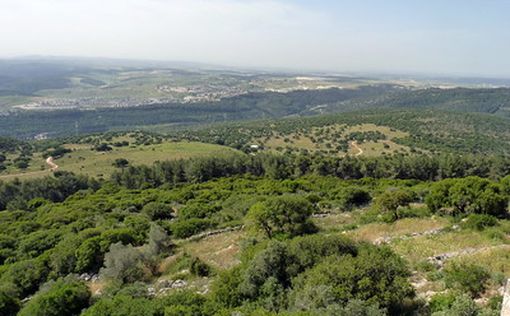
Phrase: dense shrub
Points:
(288, 215)
(467, 277)
(442, 301)
(197, 210)
(190, 227)
(62, 297)
(468, 195)
(122, 305)
(479, 221)
(123, 263)
(199, 268)
(26, 275)
(374, 275)
(462, 305)
(352, 196)
(9, 304)
(392, 200)
(89, 256)
(157, 211)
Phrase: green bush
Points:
(89, 256)
(375, 275)
(190, 227)
(27, 275)
(466, 277)
(122, 305)
(197, 210)
(157, 211)
(442, 301)
(62, 297)
(390, 201)
(124, 264)
(479, 221)
(468, 195)
(9, 304)
(463, 305)
(285, 215)
(351, 197)
(199, 268)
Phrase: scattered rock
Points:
(26, 299)
(162, 284)
(85, 277)
(382, 240)
(179, 284)
(88, 277)
(388, 239)
(214, 232)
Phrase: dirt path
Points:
(49, 161)
(355, 145)
(53, 165)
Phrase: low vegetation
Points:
(266, 237)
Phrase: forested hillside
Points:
(287, 235)
(261, 105)
(431, 130)
(493, 101)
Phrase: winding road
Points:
(355, 145)
(53, 165)
(49, 161)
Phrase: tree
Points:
(439, 196)
(468, 195)
(505, 183)
(9, 304)
(123, 263)
(156, 211)
(89, 256)
(62, 297)
(477, 195)
(103, 147)
(375, 275)
(391, 200)
(121, 163)
(352, 196)
(287, 215)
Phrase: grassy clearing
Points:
(334, 222)
(420, 248)
(219, 251)
(403, 227)
(84, 160)
(36, 168)
(496, 260)
(332, 134)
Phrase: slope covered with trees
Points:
(132, 233)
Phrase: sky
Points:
(440, 37)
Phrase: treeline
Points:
(493, 101)
(17, 194)
(431, 130)
(419, 167)
(243, 107)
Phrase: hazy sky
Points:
(430, 36)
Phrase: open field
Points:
(84, 160)
(339, 139)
